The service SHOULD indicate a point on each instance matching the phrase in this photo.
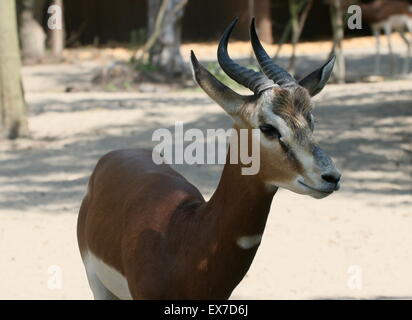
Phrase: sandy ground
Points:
(354, 244)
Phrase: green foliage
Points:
(111, 87)
(145, 67)
(127, 85)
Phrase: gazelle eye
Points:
(270, 131)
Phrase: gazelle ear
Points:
(317, 80)
(228, 99)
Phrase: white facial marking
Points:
(306, 159)
(112, 279)
(271, 117)
(280, 124)
(248, 242)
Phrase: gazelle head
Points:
(281, 109)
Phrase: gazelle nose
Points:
(332, 177)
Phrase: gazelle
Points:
(145, 232)
(389, 16)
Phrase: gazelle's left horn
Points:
(255, 81)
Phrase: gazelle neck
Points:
(240, 202)
(237, 213)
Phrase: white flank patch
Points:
(248, 242)
(112, 279)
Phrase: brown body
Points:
(161, 234)
(145, 232)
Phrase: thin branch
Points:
(251, 12)
(139, 54)
(286, 33)
(304, 16)
(179, 6)
(282, 40)
(294, 18)
(299, 13)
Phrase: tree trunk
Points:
(338, 36)
(13, 118)
(56, 28)
(32, 35)
(165, 53)
(264, 20)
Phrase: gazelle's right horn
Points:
(279, 75)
